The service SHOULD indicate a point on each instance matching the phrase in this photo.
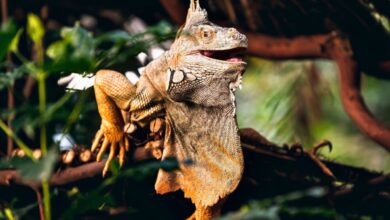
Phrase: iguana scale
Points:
(192, 86)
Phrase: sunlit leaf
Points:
(74, 52)
(56, 50)
(35, 29)
(15, 41)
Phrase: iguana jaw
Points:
(234, 55)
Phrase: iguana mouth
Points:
(234, 55)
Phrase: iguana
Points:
(192, 86)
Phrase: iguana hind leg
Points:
(113, 93)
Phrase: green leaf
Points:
(74, 52)
(20, 212)
(146, 169)
(6, 164)
(7, 79)
(88, 202)
(7, 32)
(56, 50)
(162, 31)
(80, 39)
(35, 29)
(15, 41)
(113, 36)
(37, 170)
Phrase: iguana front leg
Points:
(114, 93)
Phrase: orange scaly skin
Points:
(192, 86)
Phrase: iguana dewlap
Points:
(192, 85)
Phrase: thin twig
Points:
(10, 94)
(40, 204)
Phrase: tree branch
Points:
(302, 47)
(349, 79)
(265, 165)
(68, 175)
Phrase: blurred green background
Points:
(298, 102)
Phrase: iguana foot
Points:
(105, 139)
(312, 153)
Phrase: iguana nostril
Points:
(232, 32)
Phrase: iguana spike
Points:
(192, 5)
(195, 13)
(195, 6)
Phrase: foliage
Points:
(7, 32)
(286, 104)
(277, 207)
(32, 169)
(77, 50)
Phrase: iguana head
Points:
(205, 61)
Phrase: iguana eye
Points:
(207, 34)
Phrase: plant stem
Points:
(46, 198)
(41, 75)
(42, 109)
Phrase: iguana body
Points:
(192, 85)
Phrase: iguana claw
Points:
(106, 143)
(312, 153)
(323, 143)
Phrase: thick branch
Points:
(340, 51)
(291, 170)
(252, 142)
(68, 175)
(302, 47)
